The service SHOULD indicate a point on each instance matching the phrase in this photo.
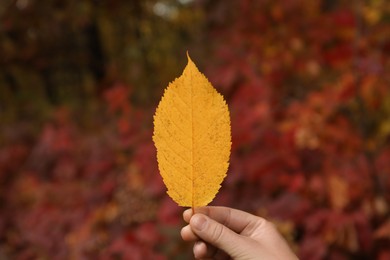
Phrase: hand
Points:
(220, 232)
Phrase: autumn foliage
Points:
(192, 135)
(307, 84)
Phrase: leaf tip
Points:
(190, 64)
(188, 57)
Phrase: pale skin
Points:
(224, 233)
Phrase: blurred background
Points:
(307, 83)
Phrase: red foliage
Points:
(307, 84)
(306, 146)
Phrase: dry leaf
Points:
(193, 139)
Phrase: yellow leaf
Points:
(192, 137)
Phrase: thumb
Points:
(219, 235)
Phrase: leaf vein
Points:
(175, 167)
(176, 125)
(174, 151)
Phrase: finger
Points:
(203, 250)
(218, 235)
(187, 234)
(239, 221)
(200, 250)
(187, 214)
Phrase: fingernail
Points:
(199, 222)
